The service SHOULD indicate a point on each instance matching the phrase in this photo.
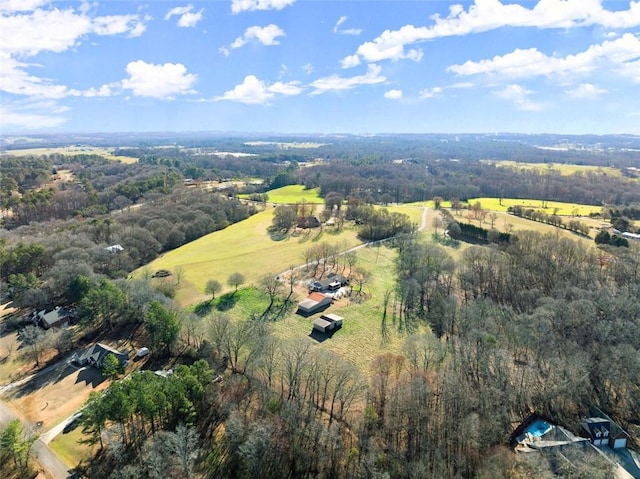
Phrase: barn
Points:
(314, 303)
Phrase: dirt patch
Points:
(55, 395)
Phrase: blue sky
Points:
(315, 66)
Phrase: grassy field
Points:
(68, 449)
(557, 168)
(73, 150)
(244, 247)
(295, 194)
(361, 337)
(549, 207)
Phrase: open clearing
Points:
(361, 338)
(557, 168)
(293, 194)
(245, 247)
(72, 151)
(54, 395)
(549, 207)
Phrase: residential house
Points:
(95, 354)
(602, 431)
(58, 316)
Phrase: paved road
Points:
(41, 452)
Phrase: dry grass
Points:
(72, 151)
(361, 337)
(549, 207)
(558, 168)
(295, 194)
(244, 247)
(55, 395)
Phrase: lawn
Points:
(549, 207)
(295, 194)
(244, 247)
(558, 168)
(72, 151)
(68, 449)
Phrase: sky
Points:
(316, 66)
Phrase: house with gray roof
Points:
(95, 354)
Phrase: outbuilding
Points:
(314, 303)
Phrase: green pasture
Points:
(244, 247)
(73, 151)
(292, 194)
(549, 207)
(557, 168)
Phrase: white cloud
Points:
(336, 82)
(119, 24)
(11, 6)
(188, 18)
(20, 118)
(430, 92)
(57, 30)
(287, 89)
(266, 35)
(253, 91)
(308, 68)
(393, 94)
(531, 62)
(238, 6)
(519, 96)
(630, 70)
(345, 31)
(350, 61)
(485, 15)
(585, 91)
(158, 81)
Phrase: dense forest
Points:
(522, 323)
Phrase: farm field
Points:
(549, 207)
(72, 151)
(561, 168)
(244, 247)
(292, 194)
(361, 337)
(506, 222)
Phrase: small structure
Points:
(333, 282)
(314, 303)
(602, 431)
(115, 248)
(308, 222)
(323, 325)
(327, 323)
(95, 354)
